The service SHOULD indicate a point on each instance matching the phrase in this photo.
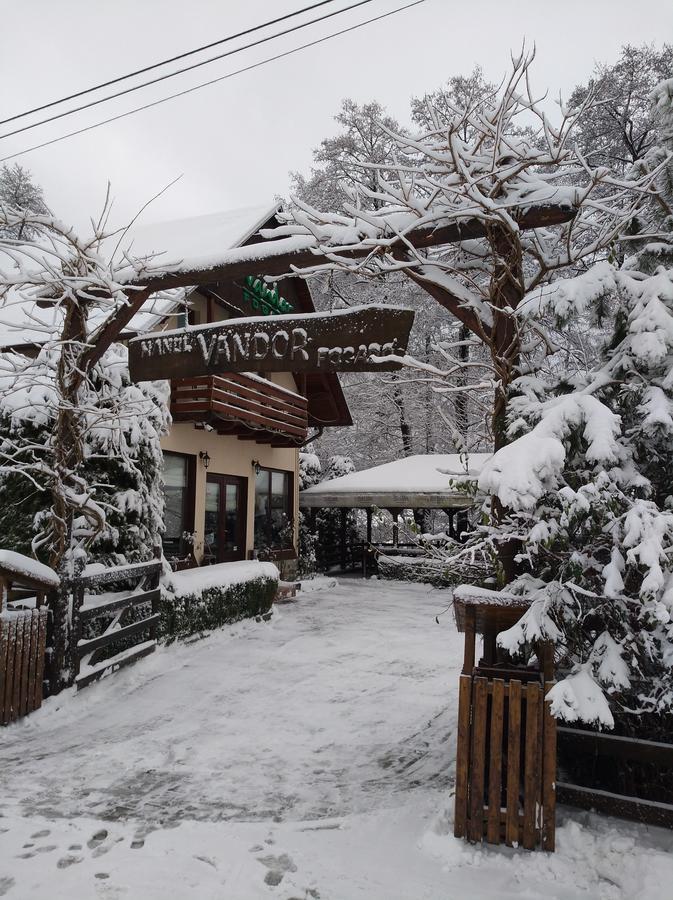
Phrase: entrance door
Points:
(226, 509)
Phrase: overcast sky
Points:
(234, 143)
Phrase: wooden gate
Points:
(22, 650)
(89, 664)
(505, 763)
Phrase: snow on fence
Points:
(22, 651)
(88, 653)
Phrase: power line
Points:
(184, 69)
(197, 87)
(165, 62)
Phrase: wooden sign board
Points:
(342, 341)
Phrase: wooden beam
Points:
(272, 263)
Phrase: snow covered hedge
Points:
(198, 600)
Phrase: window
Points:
(179, 472)
(273, 510)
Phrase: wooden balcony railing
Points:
(247, 406)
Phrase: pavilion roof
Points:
(415, 482)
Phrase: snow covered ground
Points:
(307, 757)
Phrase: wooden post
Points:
(495, 760)
(342, 537)
(513, 764)
(369, 526)
(470, 640)
(462, 755)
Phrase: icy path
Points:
(307, 757)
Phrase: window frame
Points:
(277, 552)
(188, 500)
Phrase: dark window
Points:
(273, 510)
(179, 473)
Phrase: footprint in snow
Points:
(66, 861)
(97, 839)
(277, 866)
(6, 884)
(40, 834)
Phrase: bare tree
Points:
(526, 208)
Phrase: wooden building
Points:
(232, 453)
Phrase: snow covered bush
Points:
(201, 599)
(122, 466)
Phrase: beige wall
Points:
(228, 455)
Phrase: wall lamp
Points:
(204, 456)
(256, 466)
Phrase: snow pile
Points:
(27, 567)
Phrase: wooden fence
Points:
(600, 747)
(22, 651)
(88, 652)
(505, 763)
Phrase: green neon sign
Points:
(263, 298)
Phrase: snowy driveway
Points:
(307, 757)
(340, 701)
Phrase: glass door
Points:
(226, 507)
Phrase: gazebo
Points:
(424, 481)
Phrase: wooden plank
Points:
(41, 653)
(600, 744)
(108, 666)
(132, 572)
(513, 763)
(4, 648)
(18, 656)
(531, 792)
(462, 755)
(495, 761)
(109, 637)
(650, 812)
(32, 668)
(87, 613)
(475, 824)
(548, 774)
(470, 641)
(25, 663)
(235, 412)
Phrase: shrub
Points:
(214, 606)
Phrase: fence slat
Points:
(32, 665)
(4, 668)
(109, 637)
(41, 650)
(87, 613)
(475, 826)
(462, 755)
(531, 793)
(548, 775)
(18, 655)
(495, 761)
(24, 624)
(513, 763)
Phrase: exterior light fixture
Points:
(256, 466)
(204, 456)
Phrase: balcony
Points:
(244, 405)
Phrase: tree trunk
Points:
(405, 428)
(67, 443)
(507, 290)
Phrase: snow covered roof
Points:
(194, 241)
(415, 482)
